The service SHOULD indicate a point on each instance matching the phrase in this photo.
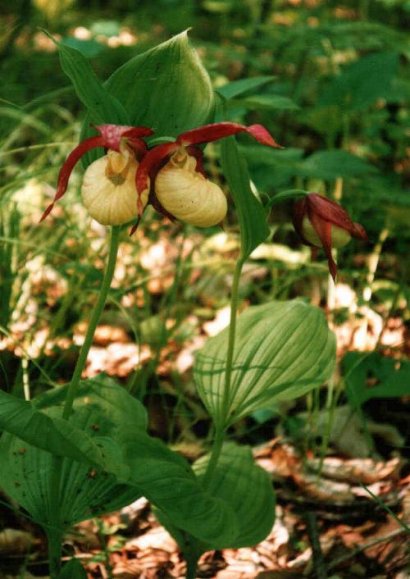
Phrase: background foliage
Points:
(330, 81)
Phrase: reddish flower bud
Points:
(322, 223)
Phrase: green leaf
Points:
(89, 487)
(88, 48)
(169, 483)
(21, 419)
(242, 485)
(282, 350)
(166, 88)
(333, 164)
(362, 83)
(251, 215)
(239, 87)
(130, 464)
(392, 378)
(73, 570)
(102, 107)
(267, 102)
(247, 488)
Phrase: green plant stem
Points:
(317, 554)
(95, 317)
(231, 340)
(217, 443)
(222, 423)
(54, 532)
(54, 540)
(192, 564)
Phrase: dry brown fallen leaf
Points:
(363, 470)
(338, 481)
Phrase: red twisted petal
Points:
(260, 134)
(199, 157)
(67, 168)
(151, 162)
(329, 210)
(359, 232)
(215, 131)
(324, 230)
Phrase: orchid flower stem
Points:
(54, 540)
(95, 317)
(55, 532)
(221, 424)
(217, 444)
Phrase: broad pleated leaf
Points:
(73, 570)
(33, 427)
(334, 163)
(129, 464)
(251, 214)
(173, 488)
(267, 102)
(98, 419)
(282, 350)
(246, 488)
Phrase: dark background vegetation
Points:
(336, 97)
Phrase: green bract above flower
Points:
(322, 223)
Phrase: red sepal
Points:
(113, 134)
(324, 230)
(298, 214)
(67, 168)
(151, 164)
(198, 155)
(329, 210)
(216, 131)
